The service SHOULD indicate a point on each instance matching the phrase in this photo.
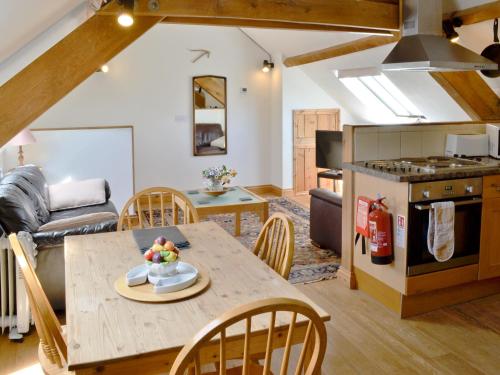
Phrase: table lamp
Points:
(25, 137)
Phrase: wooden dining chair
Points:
(311, 354)
(276, 242)
(52, 350)
(145, 202)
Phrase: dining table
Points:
(110, 334)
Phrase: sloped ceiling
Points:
(296, 42)
(23, 20)
(419, 87)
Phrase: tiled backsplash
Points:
(392, 142)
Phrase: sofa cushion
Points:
(219, 142)
(64, 214)
(41, 211)
(78, 221)
(77, 194)
(53, 238)
(17, 212)
(35, 177)
(56, 237)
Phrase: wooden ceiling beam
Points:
(365, 14)
(234, 22)
(477, 14)
(468, 16)
(340, 50)
(471, 93)
(214, 86)
(60, 69)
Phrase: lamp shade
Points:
(25, 137)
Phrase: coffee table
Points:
(236, 201)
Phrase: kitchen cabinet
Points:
(489, 257)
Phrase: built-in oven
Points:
(466, 194)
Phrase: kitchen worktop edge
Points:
(421, 177)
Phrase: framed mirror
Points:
(209, 116)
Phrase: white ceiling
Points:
(23, 20)
(296, 42)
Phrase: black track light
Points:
(267, 66)
(449, 28)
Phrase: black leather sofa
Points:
(24, 206)
(204, 135)
(326, 220)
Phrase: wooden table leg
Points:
(264, 213)
(237, 224)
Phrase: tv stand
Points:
(331, 174)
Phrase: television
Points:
(329, 149)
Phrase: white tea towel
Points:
(441, 233)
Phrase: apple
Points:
(157, 248)
(171, 257)
(160, 240)
(169, 245)
(148, 255)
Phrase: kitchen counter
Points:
(490, 166)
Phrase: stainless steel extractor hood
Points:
(423, 46)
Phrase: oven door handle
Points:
(422, 207)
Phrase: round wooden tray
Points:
(145, 293)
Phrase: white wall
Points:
(149, 86)
(211, 116)
(292, 90)
(73, 155)
(276, 128)
(301, 92)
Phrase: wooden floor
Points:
(303, 200)
(366, 338)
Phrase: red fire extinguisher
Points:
(380, 227)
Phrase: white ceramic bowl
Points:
(185, 277)
(164, 269)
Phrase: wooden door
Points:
(305, 124)
(489, 256)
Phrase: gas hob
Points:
(428, 165)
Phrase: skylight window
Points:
(379, 94)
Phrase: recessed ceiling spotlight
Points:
(125, 17)
(104, 68)
(267, 66)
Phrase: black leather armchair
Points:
(326, 219)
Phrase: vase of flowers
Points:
(217, 177)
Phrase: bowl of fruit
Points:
(163, 257)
